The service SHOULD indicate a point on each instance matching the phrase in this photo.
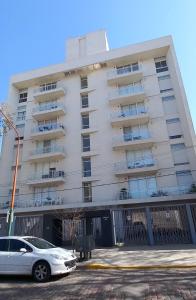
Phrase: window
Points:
(139, 158)
(13, 167)
(127, 68)
(132, 109)
(184, 178)
(84, 101)
(174, 120)
(87, 191)
(142, 187)
(23, 96)
(20, 126)
(165, 84)
(3, 245)
(16, 245)
(84, 82)
(179, 154)
(86, 143)
(174, 127)
(85, 121)
(169, 105)
(168, 98)
(137, 132)
(20, 138)
(161, 64)
(86, 161)
(21, 115)
(178, 136)
(48, 86)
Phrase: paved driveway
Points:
(105, 284)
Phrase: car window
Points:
(3, 245)
(16, 245)
(39, 243)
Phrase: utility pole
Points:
(10, 213)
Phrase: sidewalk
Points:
(177, 256)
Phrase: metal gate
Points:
(3, 227)
(130, 227)
(31, 225)
(193, 211)
(170, 225)
(73, 227)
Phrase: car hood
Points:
(66, 254)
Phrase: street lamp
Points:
(10, 213)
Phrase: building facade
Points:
(106, 146)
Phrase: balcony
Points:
(48, 131)
(127, 94)
(133, 142)
(45, 202)
(49, 92)
(50, 179)
(130, 118)
(124, 75)
(47, 153)
(164, 194)
(48, 111)
(142, 166)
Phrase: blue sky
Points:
(33, 32)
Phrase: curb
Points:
(114, 267)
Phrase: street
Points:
(104, 284)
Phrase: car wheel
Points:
(41, 271)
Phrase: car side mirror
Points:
(23, 250)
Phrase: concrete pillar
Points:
(191, 223)
(149, 226)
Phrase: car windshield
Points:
(39, 243)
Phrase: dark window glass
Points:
(86, 167)
(23, 97)
(84, 101)
(16, 245)
(175, 136)
(86, 143)
(85, 121)
(20, 138)
(161, 66)
(3, 245)
(84, 82)
(87, 191)
(40, 243)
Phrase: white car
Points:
(30, 255)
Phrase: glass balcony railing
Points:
(124, 70)
(126, 91)
(45, 150)
(45, 88)
(142, 162)
(137, 136)
(47, 127)
(129, 113)
(49, 107)
(162, 192)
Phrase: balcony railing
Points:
(142, 162)
(50, 175)
(124, 70)
(129, 113)
(48, 106)
(42, 202)
(124, 194)
(45, 150)
(47, 87)
(126, 91)
(47, 127)
(130, 137)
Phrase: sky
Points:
(33, 32)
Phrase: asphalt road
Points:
(104, 284)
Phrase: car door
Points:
(3, 256)
(19, 262)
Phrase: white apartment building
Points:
(106, 146)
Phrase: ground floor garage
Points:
(128, 225)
